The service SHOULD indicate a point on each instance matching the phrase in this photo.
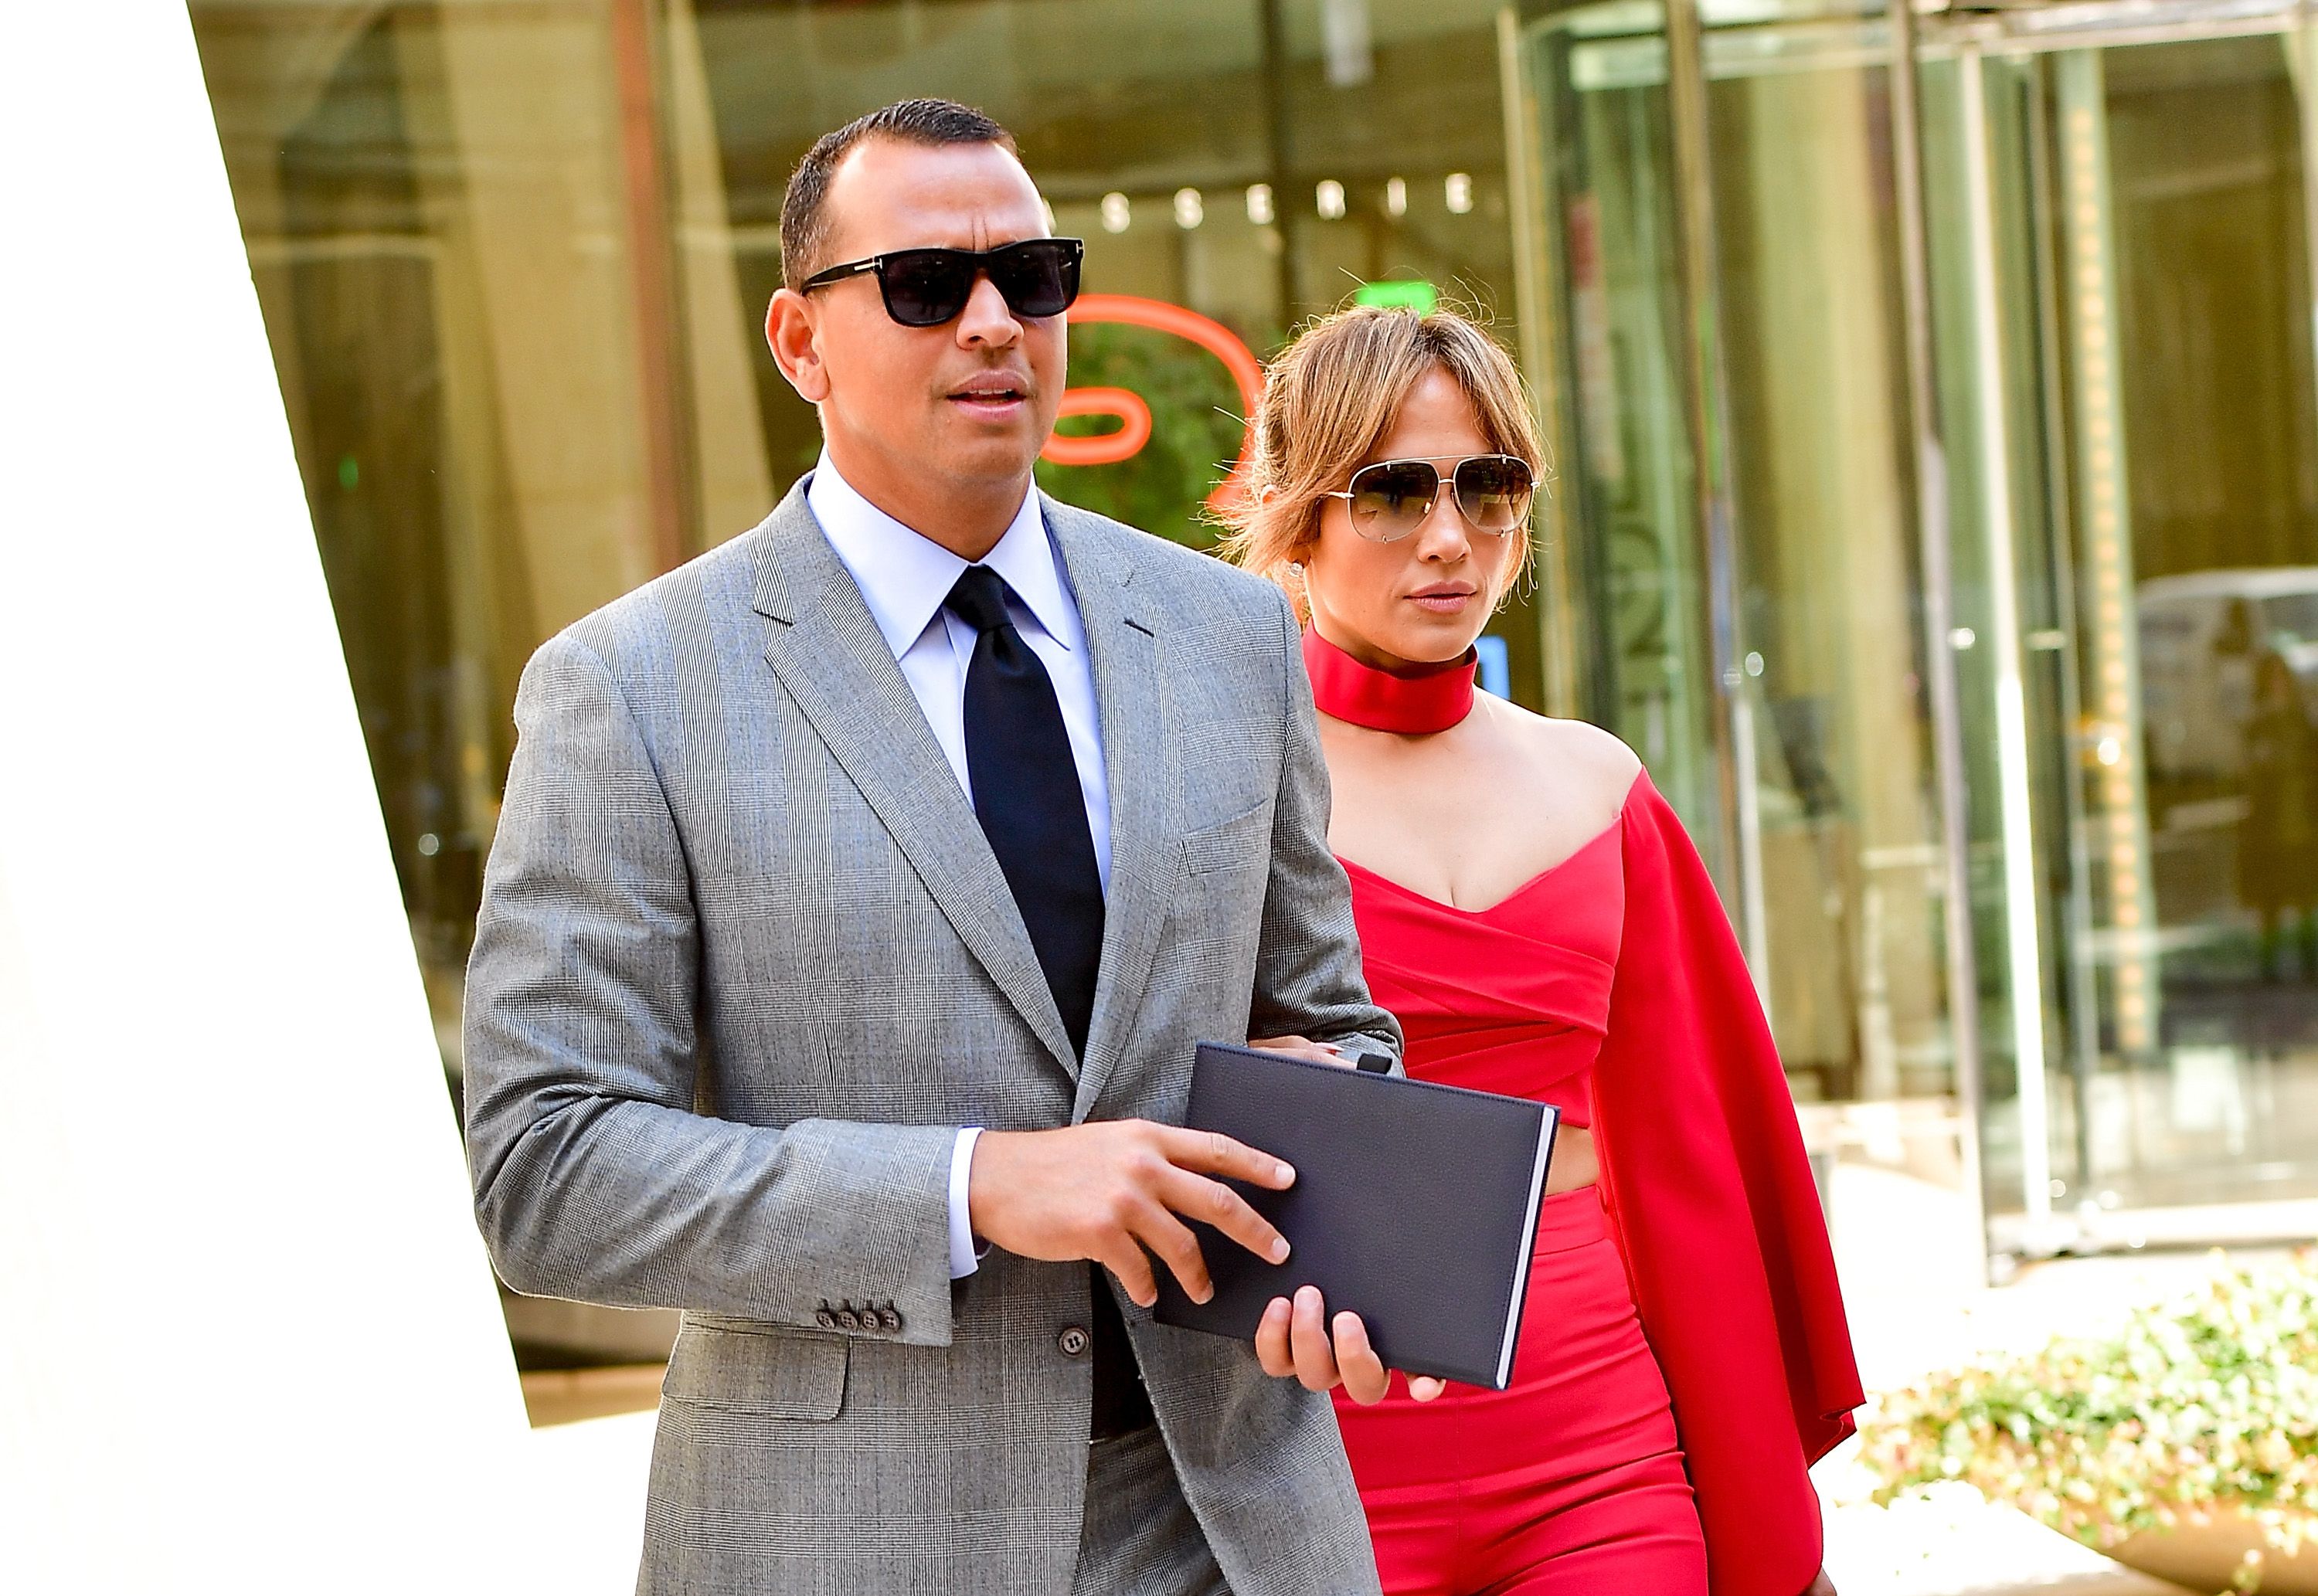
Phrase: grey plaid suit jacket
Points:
(744, 962)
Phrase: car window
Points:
(2294, 614)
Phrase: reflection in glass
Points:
(1851, 857)
(2190, 163)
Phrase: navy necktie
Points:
(1027, 798)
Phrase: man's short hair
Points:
(804, 218)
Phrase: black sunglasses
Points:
(927, 287)
(1391, 498)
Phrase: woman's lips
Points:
(1441, 604)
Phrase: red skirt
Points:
(1568, 1483)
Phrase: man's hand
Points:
(1293, 1339)
(1108, 1189)
(1821, 1586)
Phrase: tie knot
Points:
(979, 599)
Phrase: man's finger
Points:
(1271, 1339)
(1173, 1244)
(1211, 1202)
(1132, 1265)
(1425, 1387)
(1362, 1371)
(1211, 1152)
(1307, 1342)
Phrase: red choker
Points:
(1344, 688)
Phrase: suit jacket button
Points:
(847, 1318)
(825, 1319)
(892, 1318)
(1073, 1341)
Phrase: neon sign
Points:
(1134, 429)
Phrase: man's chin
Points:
(983, 454)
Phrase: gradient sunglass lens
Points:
(1493, 492)
(1391, 497)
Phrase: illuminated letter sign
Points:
(1134, 416)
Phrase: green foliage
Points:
(2210, 1401)
(1196, 425)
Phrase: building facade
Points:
(1931, 396)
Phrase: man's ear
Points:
(794, 341)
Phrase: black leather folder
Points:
(1415, 1206)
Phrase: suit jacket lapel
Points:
(830, 657)
(1123, 651)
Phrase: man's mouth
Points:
(992, 397)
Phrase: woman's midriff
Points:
(1574, 1167)
(1587, 1393)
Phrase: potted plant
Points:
(2185, 1446)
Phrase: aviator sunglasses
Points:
(1391, 498)
(927, 287)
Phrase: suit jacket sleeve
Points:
(1307, 967)
(594, 1177)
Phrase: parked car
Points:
(2203, 635)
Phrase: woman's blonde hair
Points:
(1329, 399)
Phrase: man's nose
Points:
(987, 319)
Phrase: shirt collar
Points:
(904, 576)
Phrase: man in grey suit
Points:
(862, 889)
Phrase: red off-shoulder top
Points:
(1626, 1002)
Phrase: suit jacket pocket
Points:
(1234, 843)
(758, 1369)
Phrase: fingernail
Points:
(1284, 1173)
(1279, 1248)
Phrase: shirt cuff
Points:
(963, 1258)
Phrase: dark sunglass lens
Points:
(1390, 499)
(1494, 491)
(925, 287)
(1038, 278)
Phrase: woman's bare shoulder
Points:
(1597, 762)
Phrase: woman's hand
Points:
(1301, 1047)
(1821, 1586)
(1293, 1340)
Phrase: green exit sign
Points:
(1418, 296)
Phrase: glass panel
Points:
(1992, 326)
(1624, 514)
(442, 233)
(2195, 447)
(2124, 310)
(1830, 627)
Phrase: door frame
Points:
(1902, 40)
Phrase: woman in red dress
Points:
(1533, 912)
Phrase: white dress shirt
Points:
(904, 577)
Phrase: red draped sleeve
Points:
(1715, 1209)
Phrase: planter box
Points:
(2204, 1557)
